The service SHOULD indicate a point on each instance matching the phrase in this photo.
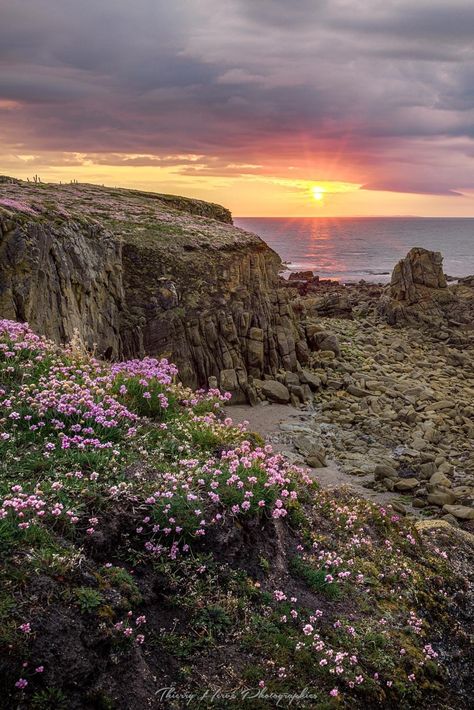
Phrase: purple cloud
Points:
(385, 87)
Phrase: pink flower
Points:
(21, 683)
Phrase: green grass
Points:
(315, 577)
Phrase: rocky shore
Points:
(387, 409)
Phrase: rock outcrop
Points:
(419, 293)
(139, 273)
(419, 270)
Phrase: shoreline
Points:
(391, 412)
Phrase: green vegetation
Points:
(147, 542)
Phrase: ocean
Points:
(351, 249)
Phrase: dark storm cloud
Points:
(382, 85)
(279, 13)
(450, 21)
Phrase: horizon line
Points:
(355, 216)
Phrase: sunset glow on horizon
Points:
(220, 101)
(318, 193)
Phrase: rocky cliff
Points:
(139, 273)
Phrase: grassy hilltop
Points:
(146, 543)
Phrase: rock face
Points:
(419, 293)
(139, 273)
(420, 268)
(62, 278)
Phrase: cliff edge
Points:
(138, 273)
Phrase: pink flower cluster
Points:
(33, 508)
(147, 370)
(128, 630)
(74, 396)
(76, 404)
(17, 339)
(198, 496)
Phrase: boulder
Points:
(332, 305)
(316, 460)
(462, 512)
(384, 471)
(297, 393)
(327, 355)
(325, 341)
(302, 276)
(357, 391)
(291, 378)
(406, 484)
(276, 392)
(428, 469)
(464, 494)
(314, 454)
(442, 404)
(441, 498)
(311, 379)
(250, 393)
(439, 479)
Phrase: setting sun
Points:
(318, 193)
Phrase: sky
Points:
(271, 107)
